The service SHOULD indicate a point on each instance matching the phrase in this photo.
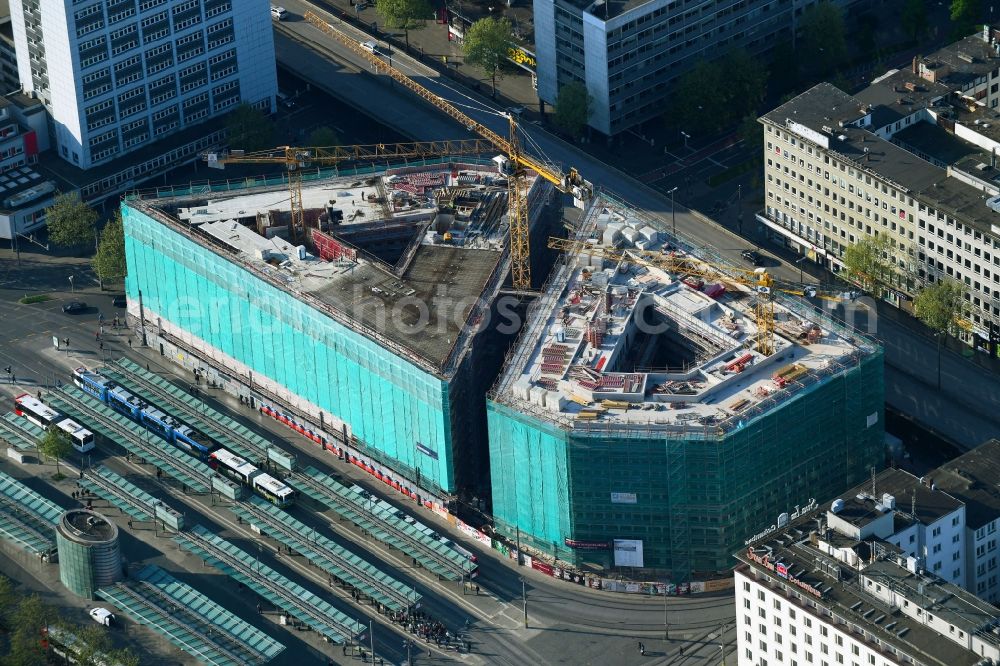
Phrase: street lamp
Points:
(722, 649)
(799, 262)
(524, 601)
(686, 137)
(71, 285)
(673, 214)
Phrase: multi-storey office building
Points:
(814, 593)
(377, 337)
(116, 75)
(639, 428)
(911, 158)
(629, 53)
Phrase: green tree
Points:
(867, 264)
(125, 657)
(405, 14)
(913, 18)
(55, 444)
(71, 222)
(940, 305)
(323, 137)
(109, 262)
(964, 16)
(573, 107)
(716, 94)
(752, 134)
(93, 644)
(697, 99)
(823, 42)
(487, 45)
(8, 602)
(249, 128)
(747, 84)
(30, 619)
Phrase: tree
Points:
(867, 264)
(30, 619)
(125, 657)
(487, 45)
(8, 602)
(55, 444)
(71, 222)
(964, 15)
(249, 129)
(747, 77)
(940, 305)
(715, 94)
(572, 108)
(405, 14)
(323, 136)
(93, 644)
(823, 40)
(752, 133)
(698, 99)
(913, 18)
(109, 262)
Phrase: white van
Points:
(279, 13)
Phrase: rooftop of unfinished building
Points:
(407, 256)
(622, 344)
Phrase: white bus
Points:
(45, 417)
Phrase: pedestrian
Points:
(682, 650)
(642, 649)
(13, 378)
(477, 590)
(100, 346)
(97, 336)
(258, 609)
(130, 343)
(130, 523)
(39, 396)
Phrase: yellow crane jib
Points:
(570, 183)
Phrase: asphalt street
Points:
(601, 627)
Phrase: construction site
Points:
(369, 323)
(661, 405)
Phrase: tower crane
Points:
(519, 163)
(759, 280)
(295, 159)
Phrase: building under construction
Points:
(368, 328)
(652, 419)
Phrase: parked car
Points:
(752, 257)
(279, 13)
(74, 307)
(102, 616)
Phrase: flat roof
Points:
(861, 506)
(631, 344)
(421, 305)
(841, 588)
(974, 478)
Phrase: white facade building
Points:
(116, 75)
(912, 158)
(809, 594)
(974, 479)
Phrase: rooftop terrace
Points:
(408, 257)
(626, 343)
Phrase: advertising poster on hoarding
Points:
(628, 553)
